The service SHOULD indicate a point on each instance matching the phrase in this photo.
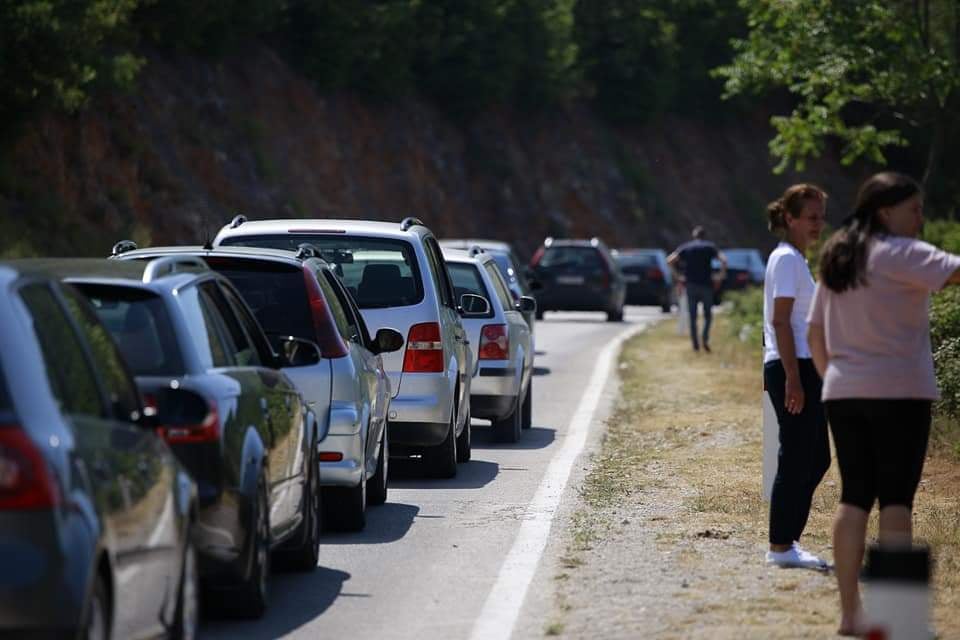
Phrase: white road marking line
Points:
(502, 607)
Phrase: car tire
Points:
(615, 316)
(538, 314)
(464, 440)
(96, 619)
(305, 555)
(508, 429)
(377, 484)
(250, 598)
(526, 420)
(347, 506)
(187, 618)
(441, 460)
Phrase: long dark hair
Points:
(843, 263)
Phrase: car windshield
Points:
(140, 325)
(275, 292)
(378, 272)
(741, 259)
(571, 258)
(637, 260)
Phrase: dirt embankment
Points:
(201, 141)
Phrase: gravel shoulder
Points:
(667, 535)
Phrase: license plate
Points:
(631, 278)
(569, 279)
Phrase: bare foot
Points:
(853, 626)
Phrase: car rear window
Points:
(637, 261)
(274, 291)
(466, 279)
(378, 272)
(571, 258)
(738, 259)
(140, 325)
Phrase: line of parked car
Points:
(175, 421)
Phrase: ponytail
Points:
(776, 211)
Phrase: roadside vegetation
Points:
(669, 538)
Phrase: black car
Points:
(577, 275)
(96, 513)
(253, 451)
(647, 276)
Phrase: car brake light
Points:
(535, 260)
(654, 274)
(328, 338)
(208, 430)
(742, 277)
(330, 456)
(424, 353)
(25, 480)
(494, 343)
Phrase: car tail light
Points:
(424, 352)
(604, 278)
(330, 456)
(494, 342)
(25, 480)
(535, 260)
(328, 338)
(208, 430)
(743, 277)
(654, 274)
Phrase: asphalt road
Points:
(427, 560)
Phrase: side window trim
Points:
(349, 306)
(447, 296)
(247, 323)
(222, 335)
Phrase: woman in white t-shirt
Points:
(789, 375)
(870, 338)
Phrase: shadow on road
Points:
(533, 438)
(295, 600)
(385, 523)
(409, 474)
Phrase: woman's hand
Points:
(794, 396)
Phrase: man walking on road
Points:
(693, 259)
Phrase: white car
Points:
(502, 341)
(396, 274)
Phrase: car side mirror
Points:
(295, 352)
(473, 305)
(388, 340)
(526, 304)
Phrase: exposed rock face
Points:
(201, 141)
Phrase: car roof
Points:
(104, 271)
(466, 243)
(249, 253)
(464, 255)
(292, 226)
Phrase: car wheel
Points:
(508, 429)
(464, 440)
(527, 413)
(441, 460)
(377, 485)
(615, 316)
(96, 619)
(347, 506)
(305, 555)
(250, 599)
(538, 314)
(188, 597)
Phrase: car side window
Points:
(203, 326)
(499, 286)
(238, 344)
(249, 325)
(346, 324)
(121, 391)
(72, 379)
(439, 270)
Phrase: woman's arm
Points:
(818, 348)
(782, 308)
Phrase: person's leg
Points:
(849, 535)
(782, 516)
(896, 526)
(692, 300)
(812, 443)
(707, 297)
(903, 430)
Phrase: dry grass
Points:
(676, 489)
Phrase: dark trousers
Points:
(804, 455)
(700, 294)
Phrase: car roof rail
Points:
(306, 250)
(168, 265)
(410, 221)
(548, 241)
(476, 250)
(594, 241)
(238, 220)
(122, 247)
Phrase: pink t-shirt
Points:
(878, 335)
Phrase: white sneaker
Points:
(796, 557)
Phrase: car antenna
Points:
(208, 239)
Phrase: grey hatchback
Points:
(96, 514)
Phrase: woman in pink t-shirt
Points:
(869, 334)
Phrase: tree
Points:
(871, 75)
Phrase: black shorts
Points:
(881, 446)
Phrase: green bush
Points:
(746, 315)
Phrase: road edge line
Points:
(501, 610)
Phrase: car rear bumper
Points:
(404, 435)
(492, 407)
(345, 472)
(494, 378)
(579, 299)
(423, 398)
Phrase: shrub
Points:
(746, 315)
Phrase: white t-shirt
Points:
(788, 276)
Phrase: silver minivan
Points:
(397, 276)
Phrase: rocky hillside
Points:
(200, 141)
